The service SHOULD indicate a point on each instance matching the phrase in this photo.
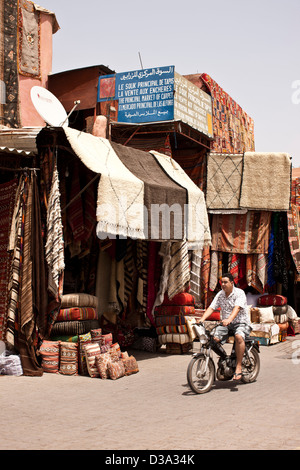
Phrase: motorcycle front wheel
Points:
(199, 378)
(250, 366)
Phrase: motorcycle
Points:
(201, 372)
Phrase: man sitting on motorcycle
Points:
(234, 316)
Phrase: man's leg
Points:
(221, 333)
(239, 350)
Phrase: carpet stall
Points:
(254, 224)
(133, 262)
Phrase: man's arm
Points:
(207, 313)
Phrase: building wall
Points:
(28, 114)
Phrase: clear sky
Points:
(250, 48)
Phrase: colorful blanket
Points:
(161, 330)
(165, 320)
(233, 128)
(241, 233)
(77, 313)
(295, 191)
(195, 167)
(183, 298)
(175, 310)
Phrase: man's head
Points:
(227, 283)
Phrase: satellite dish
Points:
(49, 107)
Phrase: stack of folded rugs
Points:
(174, 319)
(77, 315)
(272, 320)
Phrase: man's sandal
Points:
(237, 376)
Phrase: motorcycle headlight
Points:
(200, 332)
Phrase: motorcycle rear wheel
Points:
(198, 380)
(250, 370)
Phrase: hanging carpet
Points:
(120, 193)
(9, 106)
(29, 26)
(266, 181)
(7, 199)
(241, 233)
(197, 221)
(224, 179)
(159, 190)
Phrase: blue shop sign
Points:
(143, 95)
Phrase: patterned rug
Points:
(195, 167)
(224, 179)
(233, 128)
(16, 242)
(179, 273)
(9, 59)
(241, 233)
(7, 199)
(29, 39)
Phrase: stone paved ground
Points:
(155, 408)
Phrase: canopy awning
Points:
(141, 195)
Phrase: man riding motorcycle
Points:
(234, 316)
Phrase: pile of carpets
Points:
(233, 128)
(174, 319)
(272, 319)
(77, 315)
(93, 355)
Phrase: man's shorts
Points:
(242, 329)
